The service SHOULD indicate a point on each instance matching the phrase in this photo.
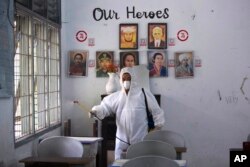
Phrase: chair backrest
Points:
(60, 146)
(170, 137)
(150, 161)
(151, 147)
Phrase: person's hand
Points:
(94, 108)
(92, 114)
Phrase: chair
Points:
(150, 161)
(60, 146)
(170, 137)
(151, 147)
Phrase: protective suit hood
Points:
(133, 85)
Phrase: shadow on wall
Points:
(1, 164)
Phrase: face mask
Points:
(126, 85)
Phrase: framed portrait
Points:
(184, 67)
(104, 59)
(78, 63)
(129, 59)
(157, 63)
(128, 36)
(157, 35)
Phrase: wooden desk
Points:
(55, 162)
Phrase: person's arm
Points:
(157, 112)
(105, 108)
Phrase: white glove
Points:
(92, 113)
(94, 108)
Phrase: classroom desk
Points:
(120, 162)
(55, 162)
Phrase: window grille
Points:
(37, 92)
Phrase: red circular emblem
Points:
(81, 36)
(182, 35)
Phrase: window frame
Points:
(36, 133)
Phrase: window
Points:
(49, 9)
(37, 92)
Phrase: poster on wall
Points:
(129, 59)
(104, 60)
(157, 35)
(184, 67)
(157, 63)
(78, 63)
(128, 36)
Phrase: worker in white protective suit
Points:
(129, 107)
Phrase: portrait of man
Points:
(103, 60)
(78, 63)
(157, 35)
(129, 59)
(128, 36)
(184, 65)
(157, 63)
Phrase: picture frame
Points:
(158, 63)
(184, 66)
(104, 59)
(128, 36)
(78, 63)
(129, 59)
(157, 35)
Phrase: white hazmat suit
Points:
(130, 111)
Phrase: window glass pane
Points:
(40, 114)
(39, 7)
(39, 64)
(53, 10)
(53, 100)
(58, 97)
(53, 67)
(55, 116)
(24, 3)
